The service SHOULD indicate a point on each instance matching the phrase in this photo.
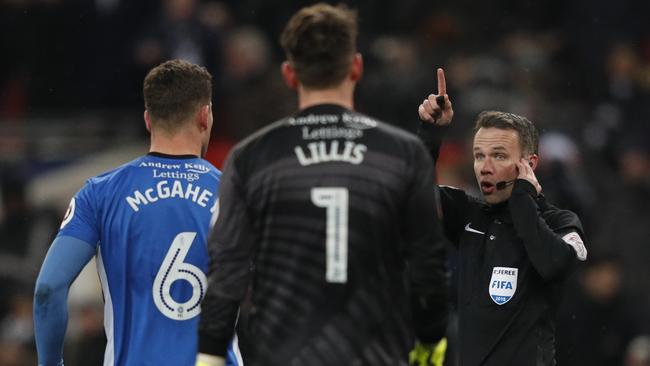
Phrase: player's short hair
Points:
(173, 92)
(320, 42)
(528, 135)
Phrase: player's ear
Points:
(147, 120)
(289, 75)
(204, 117)
(356, 70)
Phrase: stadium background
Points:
(71, 106)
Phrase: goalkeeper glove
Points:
(428, 354)
(203, 359)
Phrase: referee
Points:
(328, 218)
(515, 248)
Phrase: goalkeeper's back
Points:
(335, 213)
(328, 235)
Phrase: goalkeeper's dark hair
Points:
(320, 42)
(528, 135)
(174, 91)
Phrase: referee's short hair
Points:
(174, 91)
(320, 43)
(528, 135)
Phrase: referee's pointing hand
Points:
(437, 108)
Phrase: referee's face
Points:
(495, 153)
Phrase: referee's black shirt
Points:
(512, 264)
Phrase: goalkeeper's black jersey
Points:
(328, 237)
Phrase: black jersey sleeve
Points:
(432, 136)
(456, 205)
(426, 253)
(230, 246)
(453, 201)
(551, 255)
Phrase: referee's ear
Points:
(289, 75)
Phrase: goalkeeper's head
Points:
(320, 43)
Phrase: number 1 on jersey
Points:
(335, 200)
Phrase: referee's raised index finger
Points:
(442, 85)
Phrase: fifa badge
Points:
(503, 284)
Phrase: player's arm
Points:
(231, 247)
(551, 253)
(65, 259)
(426, 254)
(436, 113)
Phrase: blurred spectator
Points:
(18, 326)
(191, 30)
(623, 216)
(25, 233)
(17, 332)
(638, 352)
(248, 80)
(598, 319)
(88, 340)
(15, 354)
(398, 80)
(562, 177)
(178, 31)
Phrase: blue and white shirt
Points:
(149, 220)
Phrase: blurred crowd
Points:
(579, 69)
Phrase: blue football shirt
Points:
(149, 219)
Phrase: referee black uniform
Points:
(329, 219)
(513, 259)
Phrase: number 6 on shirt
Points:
(335, 200)
(174, 269)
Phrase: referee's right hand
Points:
(436, 108)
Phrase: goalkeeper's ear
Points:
(203, 359)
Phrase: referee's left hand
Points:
(526, 172)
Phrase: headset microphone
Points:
(503, 184)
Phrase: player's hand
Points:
(428, 354)
(526, 172)
(437, 108)
(203, 359)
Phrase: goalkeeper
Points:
(328, 231)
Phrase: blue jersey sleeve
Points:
(65, 259)
(80, 220)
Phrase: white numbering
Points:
(335, 200)
(174, 269)
(69, 214)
